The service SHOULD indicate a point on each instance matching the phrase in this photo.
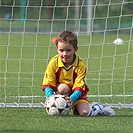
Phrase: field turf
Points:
(27, 120)
(23, 60)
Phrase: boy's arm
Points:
(76, 95)
(48, 92)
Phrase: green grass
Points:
(22, 64)
(28, 120)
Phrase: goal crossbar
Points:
(41, 105)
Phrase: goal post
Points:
(26, 48)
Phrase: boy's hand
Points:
(45, 104)
(69, 100)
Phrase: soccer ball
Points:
(57, 105)
(118, 41)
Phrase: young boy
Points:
(66, 73)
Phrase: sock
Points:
(94, 110)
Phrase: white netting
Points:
(27, 27)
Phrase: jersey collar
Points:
(75, 63)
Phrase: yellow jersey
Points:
(74, 76)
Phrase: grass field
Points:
(26, 120)
(23, 60)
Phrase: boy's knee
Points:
(63, 88)
(84, 113)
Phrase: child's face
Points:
(66, 52)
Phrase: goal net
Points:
(26, 46)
